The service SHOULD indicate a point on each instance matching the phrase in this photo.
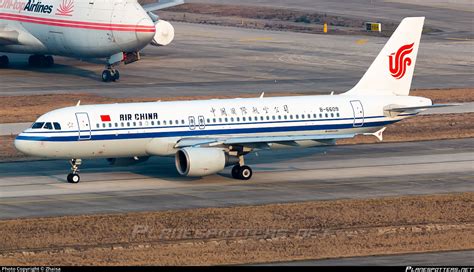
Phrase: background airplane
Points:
(113, 29)
(205, 136)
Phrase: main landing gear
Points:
(74, 177)
(41, 61)
(241, 171)
(4, 61)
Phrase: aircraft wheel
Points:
(33, 60)
(235, 171)
(49, 61)
(245, 172)
(116, 75)
(73, 178)
(106, 76)
(4, 61)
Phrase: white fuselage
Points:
(79, 28)
(146, 129)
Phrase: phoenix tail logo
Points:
(65, 8)
(399, 61)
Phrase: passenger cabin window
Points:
(57, 126)
(37, 125)
(48, 126)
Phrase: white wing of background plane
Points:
(8, 37)
(162, 5)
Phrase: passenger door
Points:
(84, 126)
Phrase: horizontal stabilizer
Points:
(162, 5)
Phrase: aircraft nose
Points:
(145, 31)
(22, 145)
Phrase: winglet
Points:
(378, 134)
(78, 103)
(263, 93)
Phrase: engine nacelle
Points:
(164, 33)
(126, 161)
(198, 162)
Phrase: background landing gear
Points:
(110, 75)
(4, 61)
(74, 177)
(40, 61)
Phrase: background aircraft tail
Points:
(392, 71)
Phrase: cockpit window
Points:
(57, 126)
(48, 126)
(37, 125)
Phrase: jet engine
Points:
(164, 33)
(126, 161)
(197, 162)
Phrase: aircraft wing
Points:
(8, 37)
(189, 142)
(162, 5)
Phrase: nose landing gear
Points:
(74, 177)
(111, 74)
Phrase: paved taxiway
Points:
(215, 60)
(454, 258)
(454, 18)
(38, 188)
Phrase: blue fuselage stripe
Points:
(198, 132)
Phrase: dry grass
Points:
(309, 230)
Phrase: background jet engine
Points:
(164, 34)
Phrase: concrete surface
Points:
(450, 258)
(38, 188)
(453, 17)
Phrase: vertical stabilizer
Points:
(392, 71)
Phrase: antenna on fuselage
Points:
(78, 103)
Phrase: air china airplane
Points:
(113, 29)
(205, 136)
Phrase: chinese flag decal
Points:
(105, 118)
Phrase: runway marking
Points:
(361, 41)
